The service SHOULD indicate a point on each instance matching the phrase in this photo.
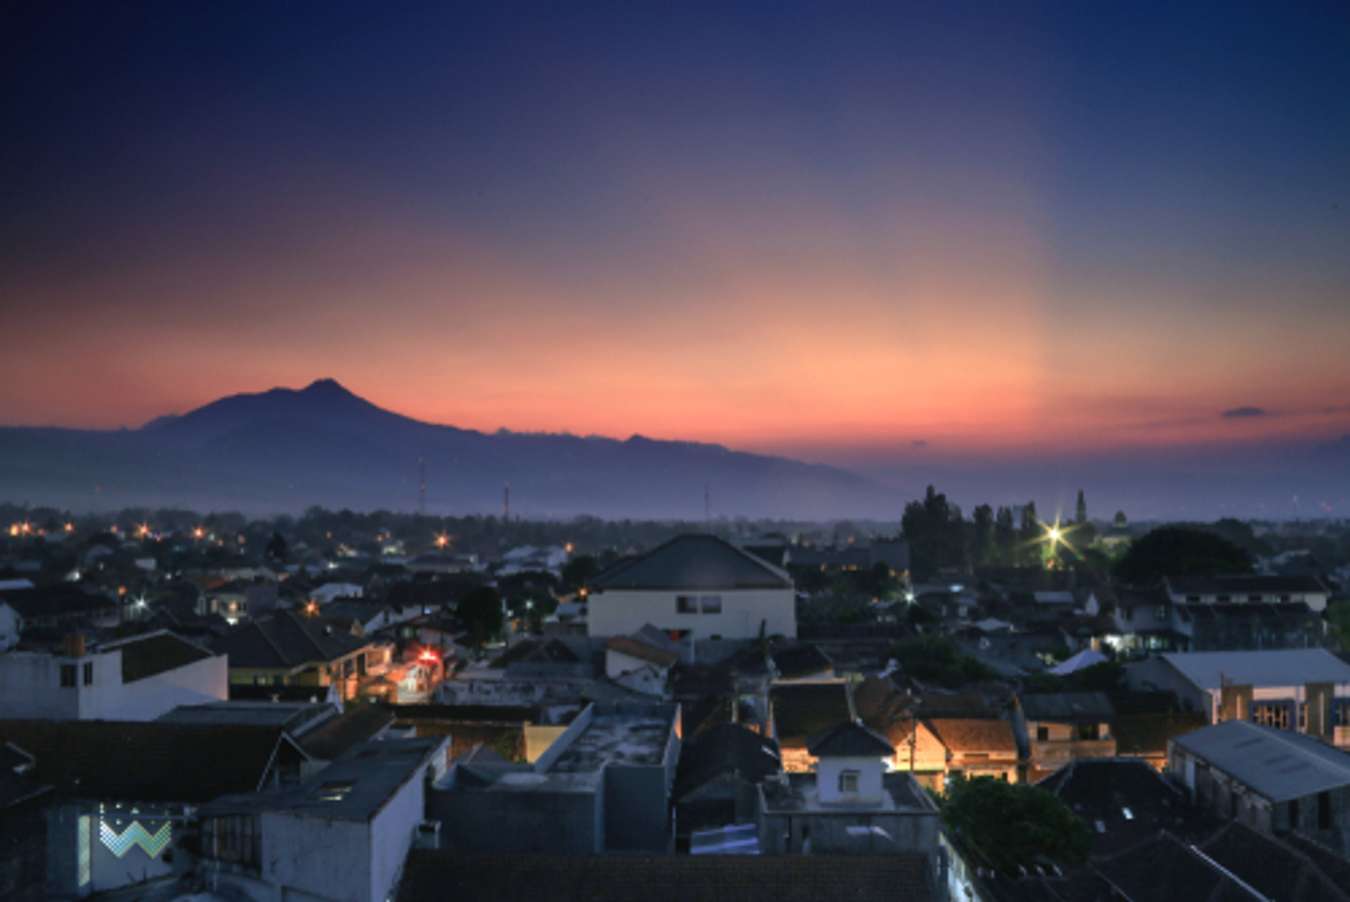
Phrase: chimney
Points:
(72, 646)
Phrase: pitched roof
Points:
(1277, 764)
(1276, 667)
(285, 640)
(974, 734)
(635, 648)
(851, 740)
(802, 659)
(147, 656)
(1164, 867)
(1067, 706)
(146, 761)
(433, 875)
(699, 562)
(727, 748)
(357, 724)
(1273, 867)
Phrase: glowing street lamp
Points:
(442, 540)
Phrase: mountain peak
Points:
(325, 386)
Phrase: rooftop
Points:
(431, 875)
(1245, 584)
(693, 562)
(616, 738)
(1277, 764)
(802, 711)
(293, 717)
(156, 653)
(1070, 707)
(1283, 667)
(796, 793)
(353, 788)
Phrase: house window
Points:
(848, 781)
(1224, 599)
(334, 792)
(67, 676)
(1089, 731)
(1254, 598)
(711, 604)
(1042, 733)
(1160, 613)
(1271, 714)
(1340, 709)
(686, 604)
(1193, 599)
(1303, 717)
(89, 673)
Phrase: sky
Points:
(865, 235)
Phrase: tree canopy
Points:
(1014, 824)
(1180, 551)
(480, 610)
(934, 659)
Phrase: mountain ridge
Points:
(285, 449)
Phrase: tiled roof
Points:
(284, 641)
(1071, 707)
(146, 656)
(147, 762)
(727, 748)
(974, 734)
(698, 562)
(431, 876)
(851, 740)
(642, 651)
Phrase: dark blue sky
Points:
(829, 230)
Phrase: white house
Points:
(1249, 589)
(1305, 690)
(694, 586)
(133, 679)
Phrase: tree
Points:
(1180, 551)
(935, 533)
(276, 548)
(1080, 514)
(578, 571)
(1014, 824)
(1029, 536)
(481, 613)
(982, 543)
(1005, 536)
(938, 660)
(1119, 521)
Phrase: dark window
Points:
(1089, 731)
(1293, 814)
(711, 604)
(1324, 811)
(67, 676)
(1042, 734)
(1224, 599)
(686, 604)
(89, 673)
(1193, 598)
(848, 781)
(1255, 598)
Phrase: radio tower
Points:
(506, 502)
(421, 486)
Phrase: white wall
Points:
(392, 834)
(30, 686)
(9, 627)
(616, 612)
(869, 779)
(327, 858)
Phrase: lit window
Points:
(1129, 815)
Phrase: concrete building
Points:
(138, 678)
(850, 806)
(1248, 589)
(1270, 780)
(695, 586)
(1302, 690)
(1060, 727)
(343, 835)
(603, 786)
(123, 792)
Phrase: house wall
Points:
(200, 682)
(327, 858)
(80, 863)
(10, 623)
(618, 612)
(30, 686)
(784, 834)
(869, 779)
(392, 831)
(537, 821)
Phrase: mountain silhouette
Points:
(286, 449)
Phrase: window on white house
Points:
(89, 673)
(67, 676)
(848, 781)
(711, 604)
(686, 604)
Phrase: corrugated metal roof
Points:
(1281, 667)
(1277, 764)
